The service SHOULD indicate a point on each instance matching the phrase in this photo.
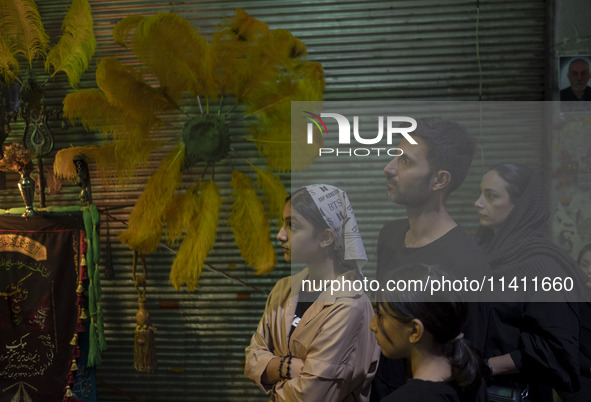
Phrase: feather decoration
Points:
(273, 191)
(278, 55)
(180, 214)
(111, 161)
(274, 127)
(237, 47)
(63, 164)
(124, 88)
(174, 52)
(93, 110)
(249, 225)
(76, 46)
(8, 63)
(144, 229)
(199, 240)
(119, 160)
(124, 27)
(310, 82)
(21, 23)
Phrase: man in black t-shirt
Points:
(421, 179)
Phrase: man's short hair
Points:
(450, 147)
(576, 60)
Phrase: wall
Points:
(571, 142)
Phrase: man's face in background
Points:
(578, 75)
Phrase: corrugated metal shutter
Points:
(373, 50)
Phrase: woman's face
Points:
(494, 204)
(298, 239)
(585, 264)
(392, 335)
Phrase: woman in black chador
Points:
(532, 345)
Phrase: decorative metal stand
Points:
(26, 185)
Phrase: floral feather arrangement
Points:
(244, 72)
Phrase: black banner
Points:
(39, 266)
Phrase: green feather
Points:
(76, 46)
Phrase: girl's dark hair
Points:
(443, 319)
(303, 203)
(517, 177)
(585, 248)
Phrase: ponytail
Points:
(465, 363)
(443, 319)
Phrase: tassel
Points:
(80, 288)
(83, 315)
(74, 366)
(70, 379)
(74, 340)
(69, 393)
(83, 245)
(144, 345)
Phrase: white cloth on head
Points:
(334, 205)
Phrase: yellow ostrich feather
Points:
(274, 127)
(247, 28)
(273, 191)
(63, 164)
(249, 225)
(276, 58)
(119, 160)
(144, 229)
(124, 28)
(310, 82)
(172, 49)
(93, 110)
(111, 161)
(124, 88)
(21, 23)
(77, 44)
(8, 63)
(237, 48)
(199, 239)
(180, 213)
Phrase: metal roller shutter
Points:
(373, 50)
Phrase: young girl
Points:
(316, 345)
(428, 334)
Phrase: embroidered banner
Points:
(39, 262)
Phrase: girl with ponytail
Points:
(444, 367)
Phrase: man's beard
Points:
(578, 87)
(414, 197)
